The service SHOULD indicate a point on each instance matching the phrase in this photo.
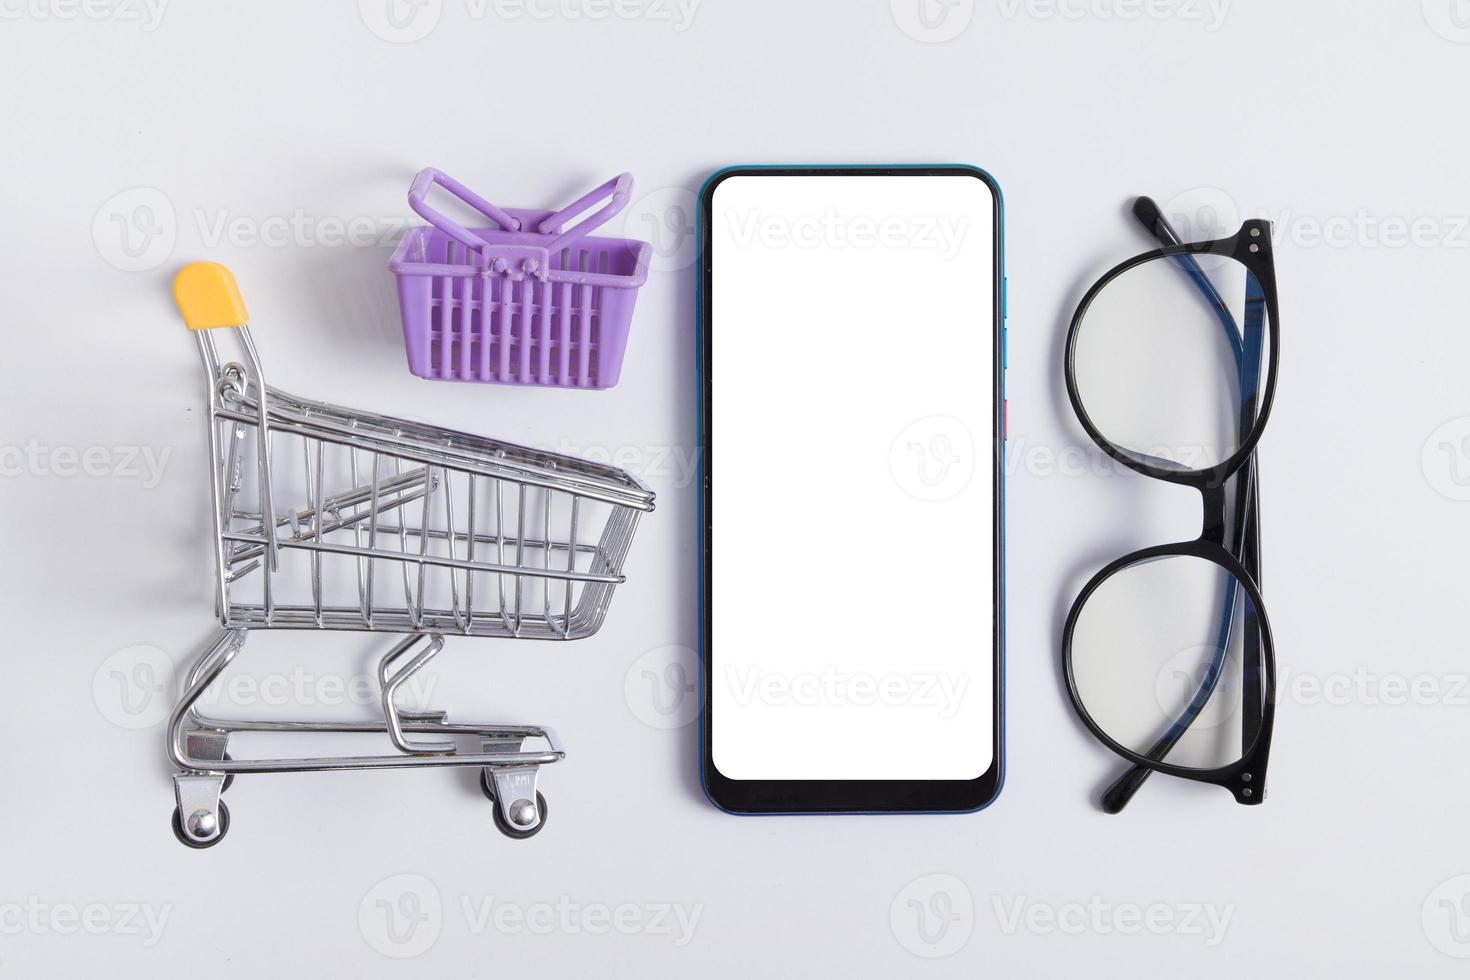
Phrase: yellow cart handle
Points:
(208, 297)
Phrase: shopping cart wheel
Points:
(487, 785)
(229, 776)
(187, 841)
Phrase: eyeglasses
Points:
(1171, 369)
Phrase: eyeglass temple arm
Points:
(1246, 543)
(1248, 523)
(1246, 347)
(1149, 215)
(1253, 666)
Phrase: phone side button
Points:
(1005, 420)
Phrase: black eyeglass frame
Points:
(1245, 778)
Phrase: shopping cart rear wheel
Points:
(187, 841)
(229, 776)
(487, 786)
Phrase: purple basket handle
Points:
(426, 179)
(616, 190)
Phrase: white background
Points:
(1338, 120)
(849, 604)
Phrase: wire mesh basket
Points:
(397, 526)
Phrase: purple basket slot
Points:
(531, 301)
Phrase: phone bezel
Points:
(839, 795)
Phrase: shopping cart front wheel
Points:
(519, 820)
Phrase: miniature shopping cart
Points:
(533, 301)
(331, 519)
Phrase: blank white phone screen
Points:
(851, 419)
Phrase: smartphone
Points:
(851, 414)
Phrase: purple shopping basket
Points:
(528, 302)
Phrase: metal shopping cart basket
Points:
(331, 519)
